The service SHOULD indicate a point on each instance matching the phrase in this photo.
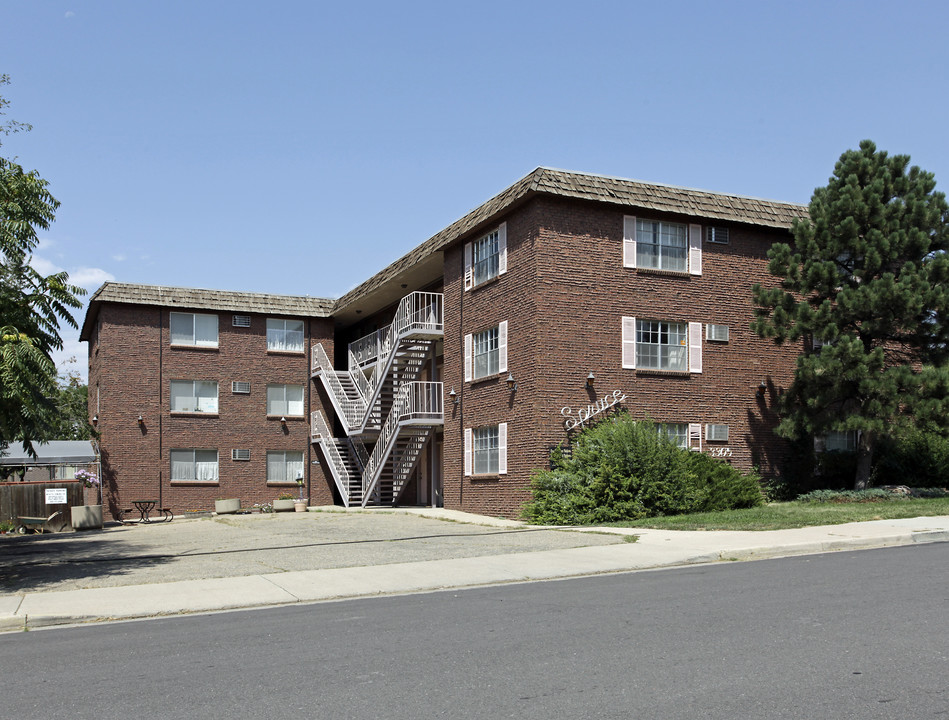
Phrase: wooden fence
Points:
(29, 499)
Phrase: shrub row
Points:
(622, 469)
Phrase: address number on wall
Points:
(720, 452)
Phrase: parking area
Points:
(239, 545)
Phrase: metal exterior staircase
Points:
(382, 382)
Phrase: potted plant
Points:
(284, 502)
(227, 506)
(86, 517)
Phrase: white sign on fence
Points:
(55, 496)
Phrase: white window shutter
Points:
(695, 436)
(468, 442)
(467, 358)
(502, 449)
(469, 274)
(695, 249)
(502, 249)
(629, 241)
(695, 347)
(629, 342)
(502, 346)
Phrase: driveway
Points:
(242, 545)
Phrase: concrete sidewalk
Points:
(653, 549)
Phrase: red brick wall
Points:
(563, 297)
(133, 365)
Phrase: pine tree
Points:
(865, 289)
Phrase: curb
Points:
(294, 588)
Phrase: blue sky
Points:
(298, 147)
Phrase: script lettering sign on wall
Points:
(574, 420)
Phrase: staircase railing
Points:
(320, 432)
(415, 401)
(351, 411)
(418, 313)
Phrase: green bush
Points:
(849, 496)
(622, 469)
(920, 459)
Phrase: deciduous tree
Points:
(31, 305)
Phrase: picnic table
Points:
(144, 507)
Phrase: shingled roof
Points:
(424, 264)
(199, 299)
(599, 188)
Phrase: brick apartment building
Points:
(449, 375)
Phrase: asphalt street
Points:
(843, 635)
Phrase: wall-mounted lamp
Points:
(95, 421)
(511, 382)
(590, 379)
(283, 422)
(759, 393)
(404, 285)
(453, 396)
(141, 421)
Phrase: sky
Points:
(298, 147)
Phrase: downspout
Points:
(161, 370)
(461, 394)
(309, 408)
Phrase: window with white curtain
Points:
(285, 400)
(194, 396)
(190, 465)
(662, 345)
(193, 329)
(662, 245)
(284, 466)
(284, 335)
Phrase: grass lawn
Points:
(778, 516)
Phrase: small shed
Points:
(55, 460)
(23, 478)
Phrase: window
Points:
(194, 466)
(661, 345)
(486, 257)
(284, 466)
(285, 400)
(676, 433)
(837, 441)
(660, 245)
(197, 396)
(486, 450)
(193, 329)
(687, 436)
(486, 352)
(284, 335)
